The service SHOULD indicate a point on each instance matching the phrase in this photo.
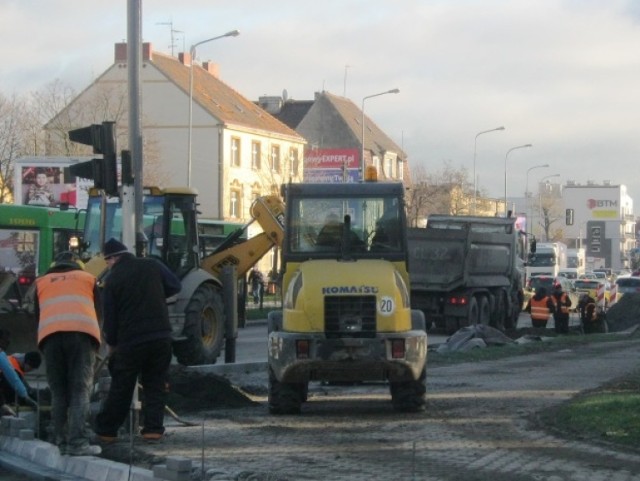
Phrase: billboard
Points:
(328, 165)
(41, 181)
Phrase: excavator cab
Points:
(169, 223)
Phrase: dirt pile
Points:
(625, 313)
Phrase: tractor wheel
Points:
(409, 396)
(285, 397)
(203, 328)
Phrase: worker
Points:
(67, 303)
(561, 311)
(256, 281)
(138, 336)
(540, 306)
(22, 363)
(587, 309)
(10, 376)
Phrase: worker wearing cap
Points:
(562, 306)
(138, 335)
(66, 306)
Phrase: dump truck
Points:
(467, 270)
(346, 313)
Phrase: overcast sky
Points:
(561, 75)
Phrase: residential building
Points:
(332, 126)
(238, 150)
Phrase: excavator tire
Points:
(409, 397)
(203, 328)
(285, 397)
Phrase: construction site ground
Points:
(485, 420)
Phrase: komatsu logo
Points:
(349, 290)
(595, 204)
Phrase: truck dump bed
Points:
(461, 251)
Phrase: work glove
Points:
(30, 402)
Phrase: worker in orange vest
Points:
(562, 305)
(67, 306)
(540, 306)
(22, 363)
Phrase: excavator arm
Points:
(268, 211)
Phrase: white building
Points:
(604, 223)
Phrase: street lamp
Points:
(526, 191)
(192, 53)
(505, 172)
(361, 166)
(475, 187)
(540, 198)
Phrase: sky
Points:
(561, 75)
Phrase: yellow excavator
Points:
(171, 226)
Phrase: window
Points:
(234, 203)
(255, 155)
(388, 167)
(293, 157)
(400, 169)
(235, 152)
(275, 158)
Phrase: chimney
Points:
(184, 58)
(212, 68)
(121, 52)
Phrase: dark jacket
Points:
(134, 299)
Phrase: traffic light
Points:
(102, 137)
(569, 218)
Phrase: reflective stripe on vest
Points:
(66, 304)
(539, 309)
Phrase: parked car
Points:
(590, 287)
(627, 285)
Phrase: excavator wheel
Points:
(203, 328)
(409, 396)
(285, 397)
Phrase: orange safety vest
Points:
(16, 365)
(539, 308)
(67, 304)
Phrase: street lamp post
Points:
(192, 53)
(505, 172)
(361, 166)
(526, 192)
(475, 186)
(540, 199)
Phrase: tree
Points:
(444, 191)
(14, 117)
(550, 212)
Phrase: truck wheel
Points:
(474, 314)
(409, 396)
(501, 313)
(484, 312)
(285, 397)
(203, 328)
